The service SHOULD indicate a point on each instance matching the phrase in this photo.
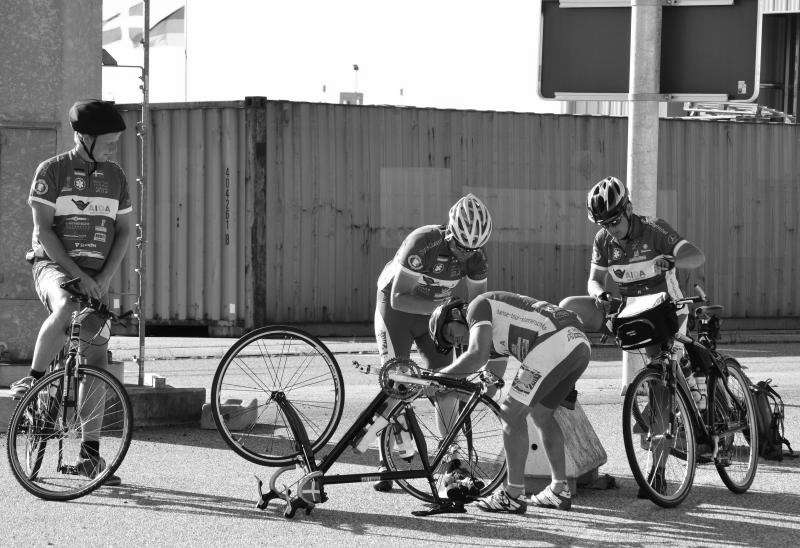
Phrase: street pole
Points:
(643, 97)
(143, 132)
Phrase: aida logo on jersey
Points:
(428, 281)
(40, 187)
(80, 204)
(414, 262)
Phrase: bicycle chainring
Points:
(405, 391)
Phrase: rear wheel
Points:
(276, 361)
(45, 436)
(478, 445)
(659, 439)
(735, 417)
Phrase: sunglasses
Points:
(613, 222)
(465, 249)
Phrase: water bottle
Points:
(702, 389)
(698, 396)
(379, 422)
(403, 439)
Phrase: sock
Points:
(90, 449)
(514, 491)
(560, 487)
(36, 374)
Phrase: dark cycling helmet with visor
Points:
(95, 117)
(607, 200)
(451, 311)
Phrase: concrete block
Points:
(583, 450)
(155, 380)
(7, 405)
(166, 406)
(238, 417)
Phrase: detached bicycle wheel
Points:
(659, 439)
(478, 444)
(269, 363)
(45, 436)
(735, 417)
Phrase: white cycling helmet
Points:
(470, 223)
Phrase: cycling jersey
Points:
(631, 262)
(86, 206)
(426, 256)
(519, 323)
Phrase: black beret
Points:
(95, 117)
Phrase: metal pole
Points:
(645, 68)
(142, 180)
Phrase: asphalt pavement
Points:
(183, 486)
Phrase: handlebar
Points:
(70, 286)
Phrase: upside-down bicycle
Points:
(71, 402)
(296, 394)
(666, 433)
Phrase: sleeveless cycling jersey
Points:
(86, 206)
(519, 323)
(631, 263)
(426, 256)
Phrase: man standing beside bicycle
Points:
(553, 352)
(639, 254)
(82, 225)
(427, 267)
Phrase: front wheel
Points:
(265, 364)
(478, 445)
(735, 418)
(49, 425)
(659, 438)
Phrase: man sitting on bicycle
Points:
(553, 352)
(431, 261)
(81, 229)
(639, 253)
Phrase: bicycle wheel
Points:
(45, 437)
(478, 445)
(659, 439)
(262, 364)
(734, 416)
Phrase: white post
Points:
(645, 70)
(144, 165)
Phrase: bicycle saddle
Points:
(700, 310)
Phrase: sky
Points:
(463, 54)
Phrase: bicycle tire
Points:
(644, 382)
(259, 432)
(58, 484)
(487, 464)
(737, 439)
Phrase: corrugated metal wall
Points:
(780, 6)
(197, 248)
(288, 211)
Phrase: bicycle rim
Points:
(478, 445)
(260, 364)
(734, 415)
(659, 440)
(45, 437)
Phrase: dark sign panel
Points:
(705, 50)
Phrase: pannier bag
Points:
(644, 321)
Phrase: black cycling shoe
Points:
(659, 484)
(383, 485)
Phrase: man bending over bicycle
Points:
(553, 352)
(81, 229)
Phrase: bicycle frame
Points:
(317, 471)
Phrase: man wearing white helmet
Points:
(427, 267)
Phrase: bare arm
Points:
(404, 299)
(123, 229)
(475, 288)
(597, 281)
(689, 256)
(477, 354)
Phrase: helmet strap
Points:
(90, 153)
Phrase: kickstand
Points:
(446, 507)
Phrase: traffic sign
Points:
(709, 50)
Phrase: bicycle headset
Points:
(95, 117)
(451, 311)
(607, 200)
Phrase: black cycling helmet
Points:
(451, 311)
(607, 200)
(95, 117)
